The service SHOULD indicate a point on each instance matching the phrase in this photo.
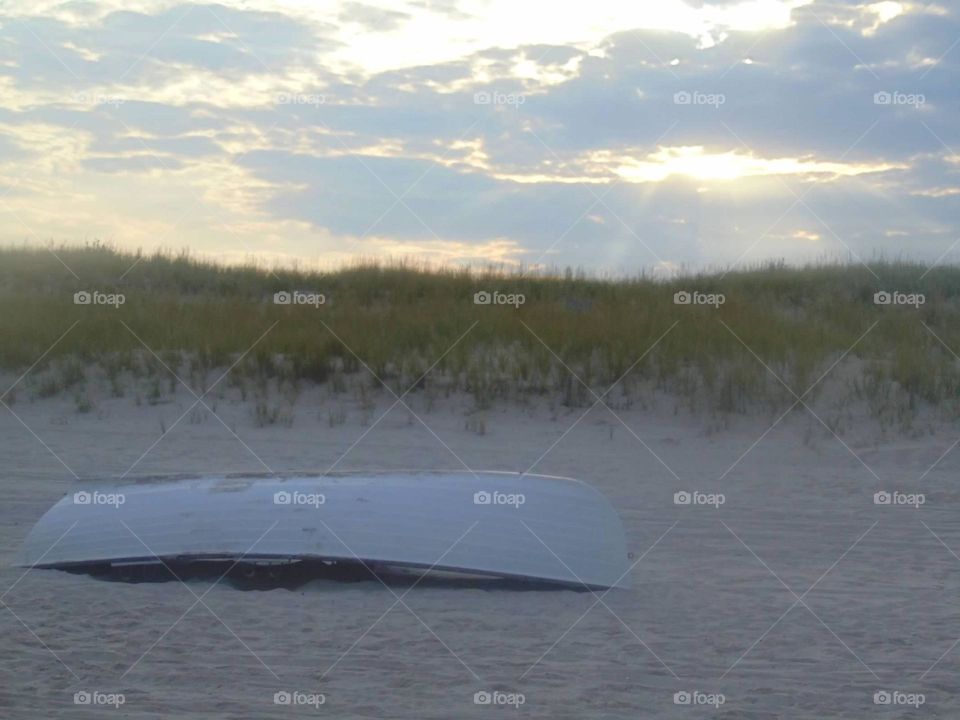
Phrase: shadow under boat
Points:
(292, 574)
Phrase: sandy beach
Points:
(700, 255)
(797, 597)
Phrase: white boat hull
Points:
(503, 524)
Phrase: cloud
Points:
(681, 137)
(372, 18)
(137, 163)
(132, 47)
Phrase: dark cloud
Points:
(156, 47)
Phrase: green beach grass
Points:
(411, 326)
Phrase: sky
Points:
(618, 137)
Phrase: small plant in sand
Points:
(476, 425)
(83, 402)
(336, 416)
(265, 414)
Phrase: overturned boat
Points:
(506, 525)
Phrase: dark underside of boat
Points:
(251, 573)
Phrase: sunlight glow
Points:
(883, 12)
(694, 162)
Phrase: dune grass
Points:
(392, 322)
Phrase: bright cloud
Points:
(435, 38)
(695, 162)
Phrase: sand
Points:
(798, 597)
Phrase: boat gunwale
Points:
(170, 478)
(369, 563)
